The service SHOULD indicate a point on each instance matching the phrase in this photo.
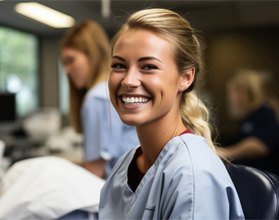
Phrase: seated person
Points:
(175, 172)
(257, 141)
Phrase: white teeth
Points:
(132, 100)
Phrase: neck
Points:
(100, 78)
(154, 136)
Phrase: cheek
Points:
(232, 97)
(81, 64)
(85, 66)
(169, 87)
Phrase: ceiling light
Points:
(105, 6)
(44, 14)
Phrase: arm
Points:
(102, 134)
(248, 148)
(96, 167)
(95, 131)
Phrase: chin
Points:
(131, 121)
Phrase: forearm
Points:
(248, 148)
(96, 167)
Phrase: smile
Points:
(134, 100)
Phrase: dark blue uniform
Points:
(262, 124)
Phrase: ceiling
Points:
(204, 15)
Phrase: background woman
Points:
(85, 55)
(257, 141)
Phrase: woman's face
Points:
(144, 83)
(237, 100)
(77, 67)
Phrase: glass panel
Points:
(63, 91)
(19, 68)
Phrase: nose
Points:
(131, 78)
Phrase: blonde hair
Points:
(254, 84)
(89, 38)
(188, 53)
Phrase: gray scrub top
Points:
(187, 181)
(105, 135)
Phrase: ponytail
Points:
(195, 115)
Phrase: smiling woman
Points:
(151, 68)
(156, 59)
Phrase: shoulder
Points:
(190, 155)
(193, 149)
(97, 96)
(198, 176)
(265, 108)
(264, 111)
(201, 155)
(262, 122)
(100, 90)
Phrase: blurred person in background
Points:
(251, 103)
(85, 54)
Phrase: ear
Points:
(186, 78)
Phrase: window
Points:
(63, 90)
(19, 68)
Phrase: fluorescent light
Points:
(44, 14)
(105, 8)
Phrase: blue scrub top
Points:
(187, 181)
(105, 136)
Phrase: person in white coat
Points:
(175, 173)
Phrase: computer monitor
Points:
(8, 111)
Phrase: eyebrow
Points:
(149, 58)
(140, 59)
(119, 58)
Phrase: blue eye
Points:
(118, 66)
(149, 67)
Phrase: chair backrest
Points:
(258, 191)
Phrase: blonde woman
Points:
(175, 172)
(257, 140)
(85, 55)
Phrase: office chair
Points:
(258, 191)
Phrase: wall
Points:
(49, 72)
(229, 50)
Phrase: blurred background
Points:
(237, 34)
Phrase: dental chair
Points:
(258, 191)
